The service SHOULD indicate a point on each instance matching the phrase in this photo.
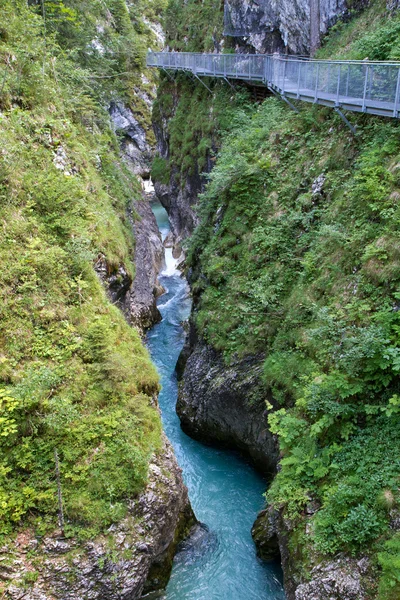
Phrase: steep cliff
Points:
(132, 557)
(295, 259)
(227, 405)
(137, 296)
(77, 387)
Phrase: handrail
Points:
(361, 86)
(291, 57)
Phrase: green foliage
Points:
(374, 34)
(283, 372)
(194, 122)
(194, 26)
(73, 375)
(311, 279)
(389, 560)
(160, 170)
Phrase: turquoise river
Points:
(226, 493)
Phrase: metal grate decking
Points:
(359, 86)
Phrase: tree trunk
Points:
(315, 20)
(59, 493)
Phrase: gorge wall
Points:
(272, 26)
(226, 405)
(133, 557)
(279, 276)
(76, 381)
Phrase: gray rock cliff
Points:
(338, 578)
(134, 143)
(137, 298)
(180, 201)
(267, 26)
(140, 301)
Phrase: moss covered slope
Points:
(73, 376)
(300, 230)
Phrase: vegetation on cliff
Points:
(297, 256)
(74, 377)
(194, 26)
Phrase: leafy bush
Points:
(159, 170)
(194, 26)
(373, 34)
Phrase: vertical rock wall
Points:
(227, 404)
(267, 26)
(136, 298)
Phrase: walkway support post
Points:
(298, 81)
(284, 76)
(316, 84)
(283, 97)
(168, 75)
(338, 87)
(396, 99)
(365, 88)
(345, 120)
(275, 70)
(202, 83)
(229, 83)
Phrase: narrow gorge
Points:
(199, 332)
(219, 558)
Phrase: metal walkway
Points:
(359, 86)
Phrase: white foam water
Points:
(171, 264)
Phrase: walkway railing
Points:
(360, 86)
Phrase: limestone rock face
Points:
(264, 533)
(267, 26)
(137, 298)
(140, 301)
(226, 404)
(133, 557)
(339, 579)
(180, 201)
(134, 144)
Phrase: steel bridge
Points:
(358, 86)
